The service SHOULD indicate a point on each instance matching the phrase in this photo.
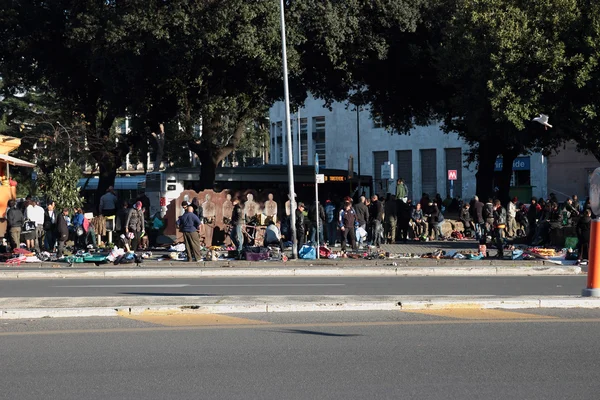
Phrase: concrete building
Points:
(569, 172)
(422, 158)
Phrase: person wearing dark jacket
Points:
(498, 225)
(300, 228)
(583, 235)
(532, 216)
(434, 220)
(135, 224)
(376, 220)
(189, 224)
(391, 220)
(465, 218)
(477, 214)
(312, 217)
(62, 230)
(404, 216)
(50, 225)
(348, 225)
(362, 212)
(14, 219)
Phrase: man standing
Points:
(62, 229)
(362, 212)
(36, 214)
(50, 225)
(331, 222)
(237, 221)
(312, 216)
(14, 218)
(477, 213)
(108, 203)
(348, 226)
(300, 228)
(499, 224)
(511, 217)
(402, 191)
(391, 220)
(532, 215)
(188, 224)
(376, 216)
(135, 224)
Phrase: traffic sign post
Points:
(318, 177)
(593, 281)
(452, 176)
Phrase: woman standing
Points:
(29, 236)
(135, 225)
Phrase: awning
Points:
(16, 161)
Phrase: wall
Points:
(568, 172)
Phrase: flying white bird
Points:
(543, 119)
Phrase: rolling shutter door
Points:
(428, 172)
(454, 161)
(404, 159)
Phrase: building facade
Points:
(422, 158)
(569, 172)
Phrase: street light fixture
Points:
(288, 126)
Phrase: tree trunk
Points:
(208, 171)
(508, 157)
(486, 156)
(159, 138)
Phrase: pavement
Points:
(429, 354)
(60, 290)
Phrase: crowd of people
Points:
(47, 229)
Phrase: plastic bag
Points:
(571, 242)
(307, 253)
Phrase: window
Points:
(304, 141)
(279, 136)
(379, 158)
(319, 140)
(429, 172)
(404, 166)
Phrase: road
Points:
(483, 354)
(505, 286)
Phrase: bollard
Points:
(593, 281)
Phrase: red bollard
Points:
(593, 281)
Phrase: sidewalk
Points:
(62, 307)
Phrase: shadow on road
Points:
(166, 294)
(315, 333)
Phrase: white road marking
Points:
(186, 285)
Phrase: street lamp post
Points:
(288, 126)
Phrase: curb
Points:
(288, 272)
(242, 304)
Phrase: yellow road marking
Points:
(483, 314)
(192, 319)
(298, 326)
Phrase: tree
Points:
(61, 186)
(482, 68)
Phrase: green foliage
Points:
(61, 186)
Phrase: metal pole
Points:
(318, 234)
(299, 140)
(358, 139)
(288, 127)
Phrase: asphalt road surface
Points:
(504, 286)
(465, 354)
